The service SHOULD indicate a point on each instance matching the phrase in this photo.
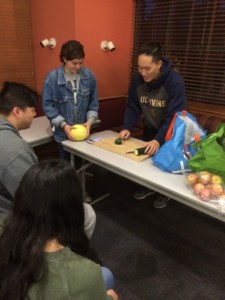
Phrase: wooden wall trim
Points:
(16, 43)
(207, 109)
(112, 97)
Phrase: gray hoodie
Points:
(16, 157)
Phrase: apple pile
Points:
(206, 186)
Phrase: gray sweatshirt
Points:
(16, 157)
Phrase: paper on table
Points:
(91, 141)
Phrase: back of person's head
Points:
(16, 95)
(48, 205)
(50, 197)
(72, 50)
(152, 49)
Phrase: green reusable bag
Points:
(211, 153)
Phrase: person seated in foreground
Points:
(43, 246)
(17, 111)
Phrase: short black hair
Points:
(16, 94)
(153, 49)
(71, 50)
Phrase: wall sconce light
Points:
(107, 46)
(51, 43)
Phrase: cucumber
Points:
(139, 151)
(118, 141)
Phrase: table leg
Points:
(83, 182)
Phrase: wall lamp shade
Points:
(107, 46)
(48, 43)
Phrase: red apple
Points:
(222, 196)
(204, 177)
(192, 178)
(198, 188)
(216, 179)
(205, 195)
(208, 186)
(216, 190)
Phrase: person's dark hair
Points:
(16, 94)
(152, 49)
(48, 204)
(71, 50)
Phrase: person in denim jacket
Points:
(70, 95)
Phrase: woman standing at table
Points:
(70, 94)
(43, 247)
(70, 97)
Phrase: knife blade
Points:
(129, 152)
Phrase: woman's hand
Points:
(152, 147)
(88, 127)
(124, 134)
(67, 129)
(113, 294)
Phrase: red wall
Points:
(90, 22)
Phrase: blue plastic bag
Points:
(174, 154)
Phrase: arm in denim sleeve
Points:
(48, 105)
(92, 113)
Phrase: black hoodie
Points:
(158, 100)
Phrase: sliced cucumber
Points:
(118, 141)
(139, 151)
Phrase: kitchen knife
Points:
(138, 151)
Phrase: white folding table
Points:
(39, 133)
(143, 173)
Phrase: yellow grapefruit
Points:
(78, 132)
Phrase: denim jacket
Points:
(58, 101)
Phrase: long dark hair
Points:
(48, 204)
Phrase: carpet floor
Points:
(174, 253)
